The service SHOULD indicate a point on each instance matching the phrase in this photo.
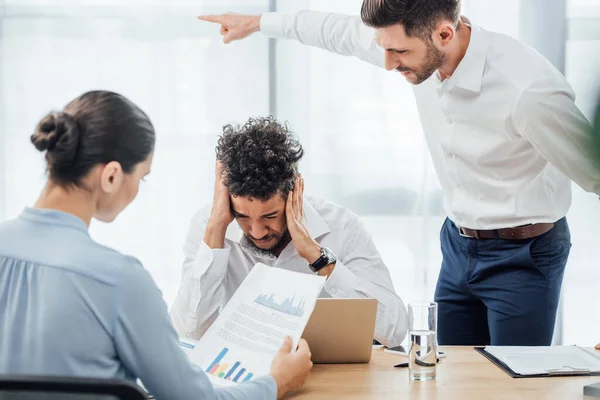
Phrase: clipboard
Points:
(565, 371)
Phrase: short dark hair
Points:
(418, 17)
(95, 128)
(260, 158)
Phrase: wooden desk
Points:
(463, 375)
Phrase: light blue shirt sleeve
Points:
(148, 346)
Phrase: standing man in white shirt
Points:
(506, 140)
(259, 214)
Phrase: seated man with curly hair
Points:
(257, 185)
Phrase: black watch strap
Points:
(327, 257)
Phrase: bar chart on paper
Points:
(271, 303)
(229, 371)
(286, 306)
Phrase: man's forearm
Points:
(336, 33)
(214, 236)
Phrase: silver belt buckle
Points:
(460, 232)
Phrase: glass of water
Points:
(422, 328)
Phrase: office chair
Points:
(22, 387)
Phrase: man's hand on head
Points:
(305, 245)
(220, 215)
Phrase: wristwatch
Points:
(327, 257)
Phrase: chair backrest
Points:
(53, 387)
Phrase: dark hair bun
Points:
(95, 128)
(58, 134)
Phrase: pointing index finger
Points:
(211, 18)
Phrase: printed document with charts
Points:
(271, 304)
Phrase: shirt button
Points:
(333, 292)
(449, 120)
(448, 154)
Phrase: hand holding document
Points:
(270, 304)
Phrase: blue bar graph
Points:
(231, 371)
(187, 345)
(239, 374)
(218, 368)
(217, 360)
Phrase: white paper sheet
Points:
(270, 304)
(545, 359)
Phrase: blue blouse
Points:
(72, 307)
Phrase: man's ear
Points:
(444, 33)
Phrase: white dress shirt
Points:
(211, 276)
(504, 133)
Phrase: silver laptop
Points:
(341, 331)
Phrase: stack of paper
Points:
(546, 360)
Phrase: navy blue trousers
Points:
(500, 292)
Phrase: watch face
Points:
(327, 257)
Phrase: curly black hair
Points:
(260, 158)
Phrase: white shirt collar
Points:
(469, 72)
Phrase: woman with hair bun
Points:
(71, 307)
